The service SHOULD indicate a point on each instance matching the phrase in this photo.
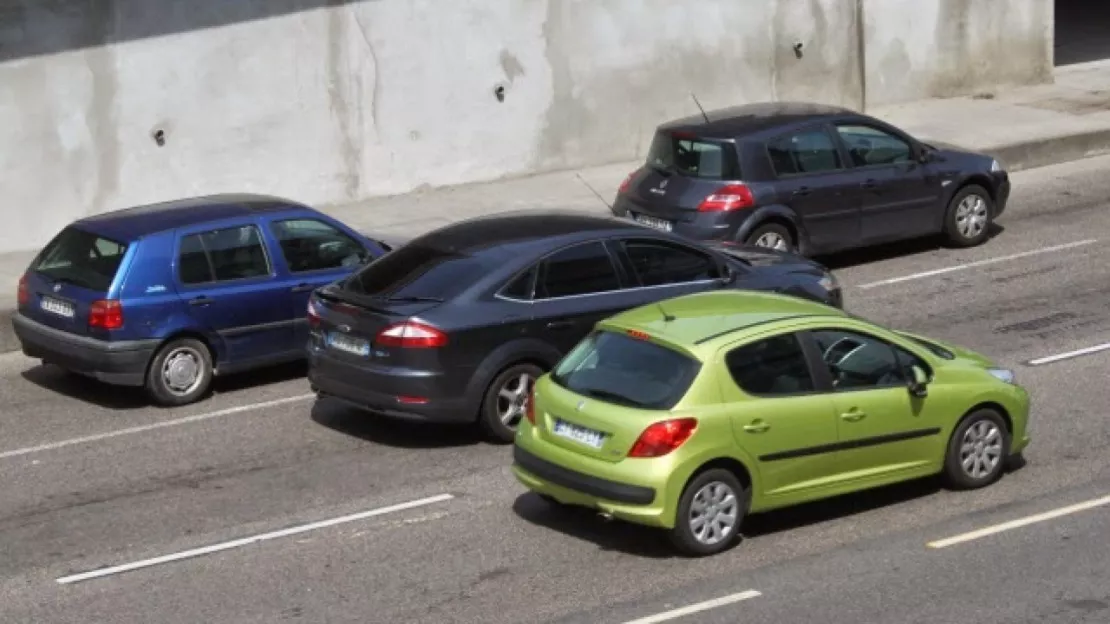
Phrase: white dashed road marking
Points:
(1069, 355)
(1020, 522)
(697, 607)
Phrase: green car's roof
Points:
(698, 318)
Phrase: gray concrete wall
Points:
(330, 101)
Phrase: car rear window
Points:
(694, 157)
(81, 258)
(620, 369)
(418, 271)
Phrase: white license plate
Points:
(339, 342)
(652, 222)
(53, 306)
(582, 435)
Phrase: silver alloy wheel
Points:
(183, 371)
(772, 240)
(512, 397)
(971, 216)
(714, 513)
(981, 450)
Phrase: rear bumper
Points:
(703, 226)
(122, 363)
(593, 486)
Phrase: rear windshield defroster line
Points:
(81, 258)
(618, 369)
(417, 272)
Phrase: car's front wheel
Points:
(506, 400)
(180, 373)
(978, 450)
(709, 514)
(969, 217)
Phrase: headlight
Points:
(1002, 374)
(829, 282)
(996, 167)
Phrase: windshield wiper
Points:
(605, 395)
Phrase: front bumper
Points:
(122, 362)
(1001, 192)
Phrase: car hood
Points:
(763, 257)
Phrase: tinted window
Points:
(231, 254)
(869, 146)
(771, 367)
(660, 263)
(578, 270)
(420, 271)
(857, 361)
(521, 286)
(312, 245)
(193, 266)
(618, 369)
(806, 152)
(81, 258)
(697, 158)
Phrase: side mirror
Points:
(918, 386)
(926, 155)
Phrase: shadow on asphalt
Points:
(889, 251)
(389, 431)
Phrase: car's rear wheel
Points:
(772, 236)
(180, 373)
(969, 217)
(978, 451)
(710, 512)
(505, 400)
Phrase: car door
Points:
(882, 428)
(898, 199)
(779, 415)
(312, 253)
(660, 269)
(817, 185)
(226, 278)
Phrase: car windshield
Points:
(81, 258)
(418, 272)
(693, 157)
(933, 347)
(619, 369)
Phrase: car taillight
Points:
(726, 198)
(23, 295)
(313, 315)
(663, 437)
(530, 406)
(623, 188)
(411, 335)
(106, 314)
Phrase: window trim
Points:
(817, 373)
(200, 232)
(864, 124)
(819, 362)
(821, 127)
(285, 261)
(622, 243)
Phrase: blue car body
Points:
(108, 314)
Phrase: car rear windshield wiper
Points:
(414, 299)
(605, 395)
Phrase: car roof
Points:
(752, 119)
(132, 223)
(700, 320)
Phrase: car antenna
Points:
(594, 191)
(695, 98)
(667, 318)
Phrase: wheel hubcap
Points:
(182, 371)
(971, 216)
(772, 241)
(981, 449)
(512, 398)
(714, 513)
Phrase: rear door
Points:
(661, 269)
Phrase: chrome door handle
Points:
(757, 427)
(853, 416)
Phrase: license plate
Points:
(582, 435)
(53, 306)
(652, 222)
(355, 346)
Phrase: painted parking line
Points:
(697, 607)
(1020, 522)
(977, 263)
(1049, 359)
(238, 543)
(50, 446)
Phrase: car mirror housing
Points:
(918, 385)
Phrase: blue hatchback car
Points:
(167, 296)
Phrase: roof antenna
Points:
(594, 191)
(667, 318)
(704, 116)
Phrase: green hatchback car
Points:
(690, 414)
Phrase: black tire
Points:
(683, 534)
(983, 211)
(987, 424)
(195, 354)
(490, 415)
(772, 230)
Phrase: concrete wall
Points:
(329, 101)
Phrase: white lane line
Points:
(977, 263)
(1069, 355)
(697, 607)
(1020, 522)
(151, 427)
(207, 550)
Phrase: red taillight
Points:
(313, 315)
(106, 314)
(411, 335)
(726, 198)
(663, 437)
(639, 335)
(411, 400)
(623, 188)
(530, 406)
(23, 295)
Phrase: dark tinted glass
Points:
(660, 263)
(771, 367)
(521, 287)
(312, 245)
(806, 152)
(81, 258)
(697, 158)
(418, 271)
(192, 261)
(871, 146)
(616, 368)
(577, 270)
(859, 362)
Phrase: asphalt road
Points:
(259, 505)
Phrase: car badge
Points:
(57, 287)
(345, 329)
(581, 404)
(663, 184)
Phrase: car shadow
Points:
(890, 251)
(388, 431)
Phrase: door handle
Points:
(302, 287)
(201, 301)
(853, 416)
(560, 325)
(801, 192)
(757, 426)
(869, 184)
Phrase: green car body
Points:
(786, 444)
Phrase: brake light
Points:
(639, 335)
(530, 406)
(313, 315)
(726, 198)
(623, 188)
(23, 295)
(106, 314)
(411, 335)
(663, 437)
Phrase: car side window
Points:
(521, 286)
(222, 255)
(312, 245)
(811, 151)
(857, 361)
(870, 146)
(774, 366)
(579, 270)
(657, 263)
